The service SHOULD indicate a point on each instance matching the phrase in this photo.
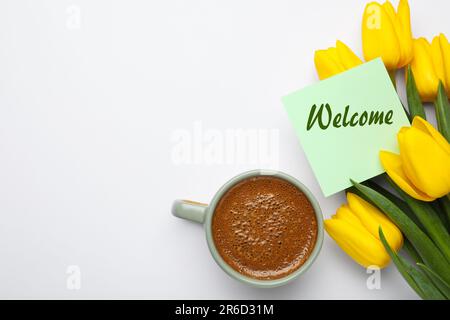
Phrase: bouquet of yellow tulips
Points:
(376, 224)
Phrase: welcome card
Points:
(344, 121)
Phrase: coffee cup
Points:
(204, 214)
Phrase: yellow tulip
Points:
(422, 169)
(431, 63)
(355, 227)
(387, 34)
(335, 60)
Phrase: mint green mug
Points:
(203, 213)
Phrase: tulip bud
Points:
(355, 227)
(431, 63)
(335, 60)
(387, 34)
(422, 169)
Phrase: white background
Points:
(87, 116)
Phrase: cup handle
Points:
(189, 210)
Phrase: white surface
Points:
(87, 114)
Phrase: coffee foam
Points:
(264, 227)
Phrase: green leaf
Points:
(445, 203)
(443, 112)
(423, 244)
(429, 219)
(416, 279)
(440, 208)
(401, 265)
(408, 115)
(402, 205)
(443, 286)
(414, 102)
(412, 252)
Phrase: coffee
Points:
(264, 227)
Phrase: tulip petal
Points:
(327, 63)
(404, 33)
(379, 36)
(425, 162)
(437, 59)
(346, 56)
(390, 11)
(445, 48)
(422, 66)
(427, 128)
(372, 219)
(358, 243)
(393, 165)
(344, 213)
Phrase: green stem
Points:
(397, 201)
(417, 279)
(445, 202)
(426, 248)
(439, 207)
(412, 252)
(443, 112)
(414, 102)
(429, 219)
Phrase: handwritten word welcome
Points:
(326, 118)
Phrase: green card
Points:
(344, 121)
